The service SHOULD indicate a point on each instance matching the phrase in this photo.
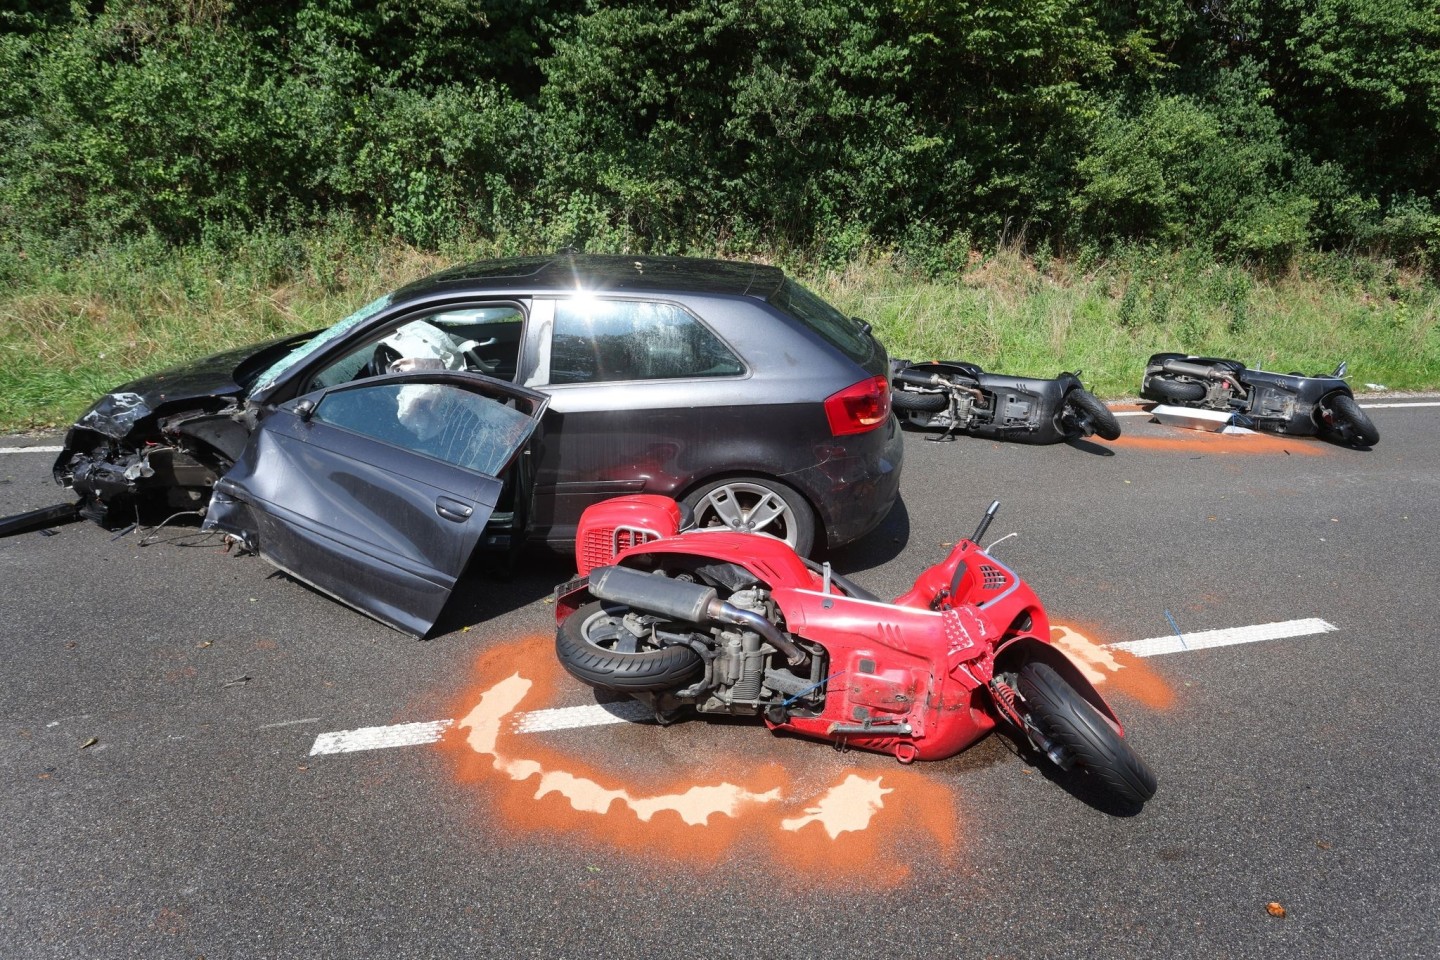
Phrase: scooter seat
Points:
(947, 368)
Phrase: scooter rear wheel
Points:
(592, 646)
(913, 401)
(1076, 725)
(1178, 391)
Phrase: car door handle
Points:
(453, 510)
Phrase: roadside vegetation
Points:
(1032, 186)
(70, 332)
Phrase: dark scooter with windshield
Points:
(1289, 403)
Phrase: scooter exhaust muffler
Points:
(654, 594)
(691, 602)
(1199, 370)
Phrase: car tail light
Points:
(860, 407)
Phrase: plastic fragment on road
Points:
(1190, 418)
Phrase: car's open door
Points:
(378, 491)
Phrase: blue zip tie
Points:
(1176, 627)
(813, 686)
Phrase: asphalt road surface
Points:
(168, 714)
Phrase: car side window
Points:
(600, 341)
(438, 420)
(480, 339)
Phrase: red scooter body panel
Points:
(891, 666)
(769, 559)
(620, 523)
(907, 677)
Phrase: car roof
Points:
(597, 272)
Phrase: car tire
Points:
(755, 505)
(584, 645)
(913, 401)
(1071, 720)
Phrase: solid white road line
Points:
(1366, 406)
(1118, 413)
(632, 711)
(1204, 639)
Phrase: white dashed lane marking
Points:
(536, 721)
(632, 711)
(378, 738)
(1205, 639)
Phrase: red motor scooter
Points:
(739, 624)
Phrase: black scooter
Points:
(1289, 403)
(959, 397)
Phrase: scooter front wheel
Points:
(1070, 720)
(595, 647)
(1350, 423)
(1084, 414)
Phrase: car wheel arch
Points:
(817, 518)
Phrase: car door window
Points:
(598, 341)
(479, 339)
(439, 420)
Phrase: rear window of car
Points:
(837, 329)
(603, 341)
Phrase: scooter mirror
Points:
(1341, 370)
(985, 523)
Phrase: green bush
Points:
(787, 128)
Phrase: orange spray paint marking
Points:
(848, 806)
(1117, 669)
(858, 824)
(1224, 444)
(695, 806)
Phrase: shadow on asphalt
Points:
(1091, 447)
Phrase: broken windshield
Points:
(276, 370)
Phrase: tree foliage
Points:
(1257, 127)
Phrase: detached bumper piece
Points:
(37, 519)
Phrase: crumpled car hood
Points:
(218, 377)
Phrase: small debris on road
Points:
(232, 683)
(1275, 909)
(89, 743)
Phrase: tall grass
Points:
(1009, 314)
(73, 327)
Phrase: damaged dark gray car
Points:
(372, 459)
